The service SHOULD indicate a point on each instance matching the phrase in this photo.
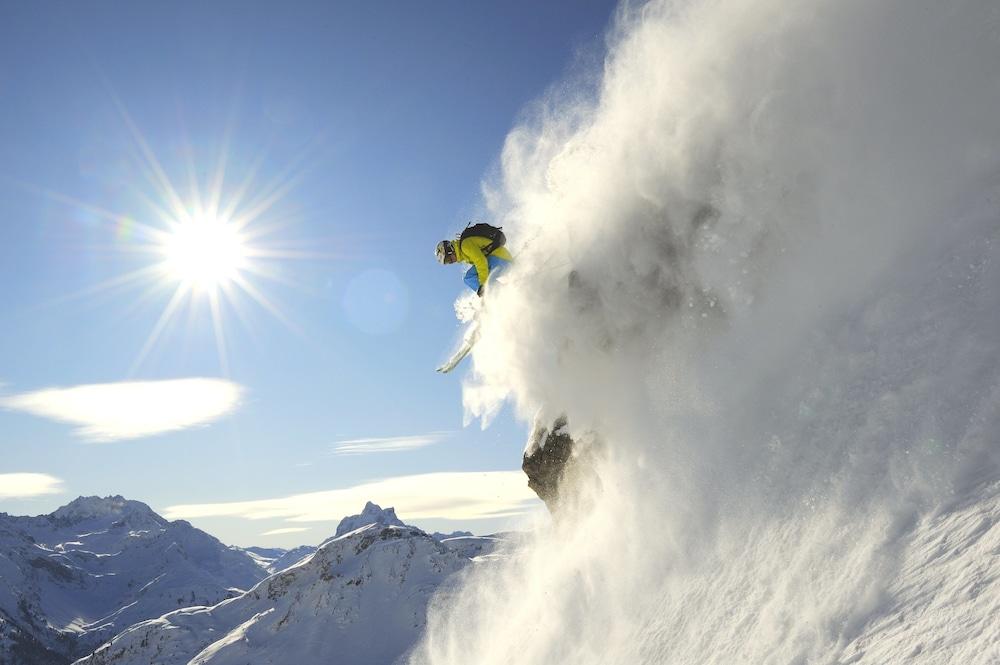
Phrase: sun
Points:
(205, 253)
(205, 250)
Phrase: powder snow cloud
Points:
(756, 252)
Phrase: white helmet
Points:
(445, 252)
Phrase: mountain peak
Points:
(90, 507)
(372, 514)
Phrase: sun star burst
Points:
(210, 249)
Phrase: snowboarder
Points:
(482, 245)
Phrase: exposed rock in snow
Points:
(545, 460)
(372, 514)
(18, 646)
(552, 459)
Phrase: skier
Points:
(482, 245)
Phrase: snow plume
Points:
(760, 261)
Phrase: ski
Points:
(470, 340)
(456, 358)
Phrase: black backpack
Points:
(483, 230)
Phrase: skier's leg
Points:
(497, 266)
(472, 279)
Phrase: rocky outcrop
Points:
(372, 514)
(19, 646)
(554, 462)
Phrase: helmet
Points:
(445, 252)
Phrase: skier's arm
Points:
(475, 255)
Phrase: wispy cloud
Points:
(455, 495)
(25, 485)
(131, 409)
(291, 529)
(389, 444)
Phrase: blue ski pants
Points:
(497, 266)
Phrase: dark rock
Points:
(554, 463)
(54, 569)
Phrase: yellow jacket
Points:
(470, 250)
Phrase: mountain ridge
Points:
(77, 576)
(362, 595)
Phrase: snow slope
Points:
(276, 559)
(263, 556)
(290, 558)
(759, 254)
(361, 598)
(472, 547)
(74, 578)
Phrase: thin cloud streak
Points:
(131, 409)
(291, 529)
(389, 444)
(27, 485)
(454, 496)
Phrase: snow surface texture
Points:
(71, 580)
(360, 599)
(758, 255)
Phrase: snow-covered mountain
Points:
(371, 514)
(76, 577)
(437, 535)
(263, 556)
(361, 598)
(472, 547)
(275, 559)
(290, 558)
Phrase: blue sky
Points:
(373, 125)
